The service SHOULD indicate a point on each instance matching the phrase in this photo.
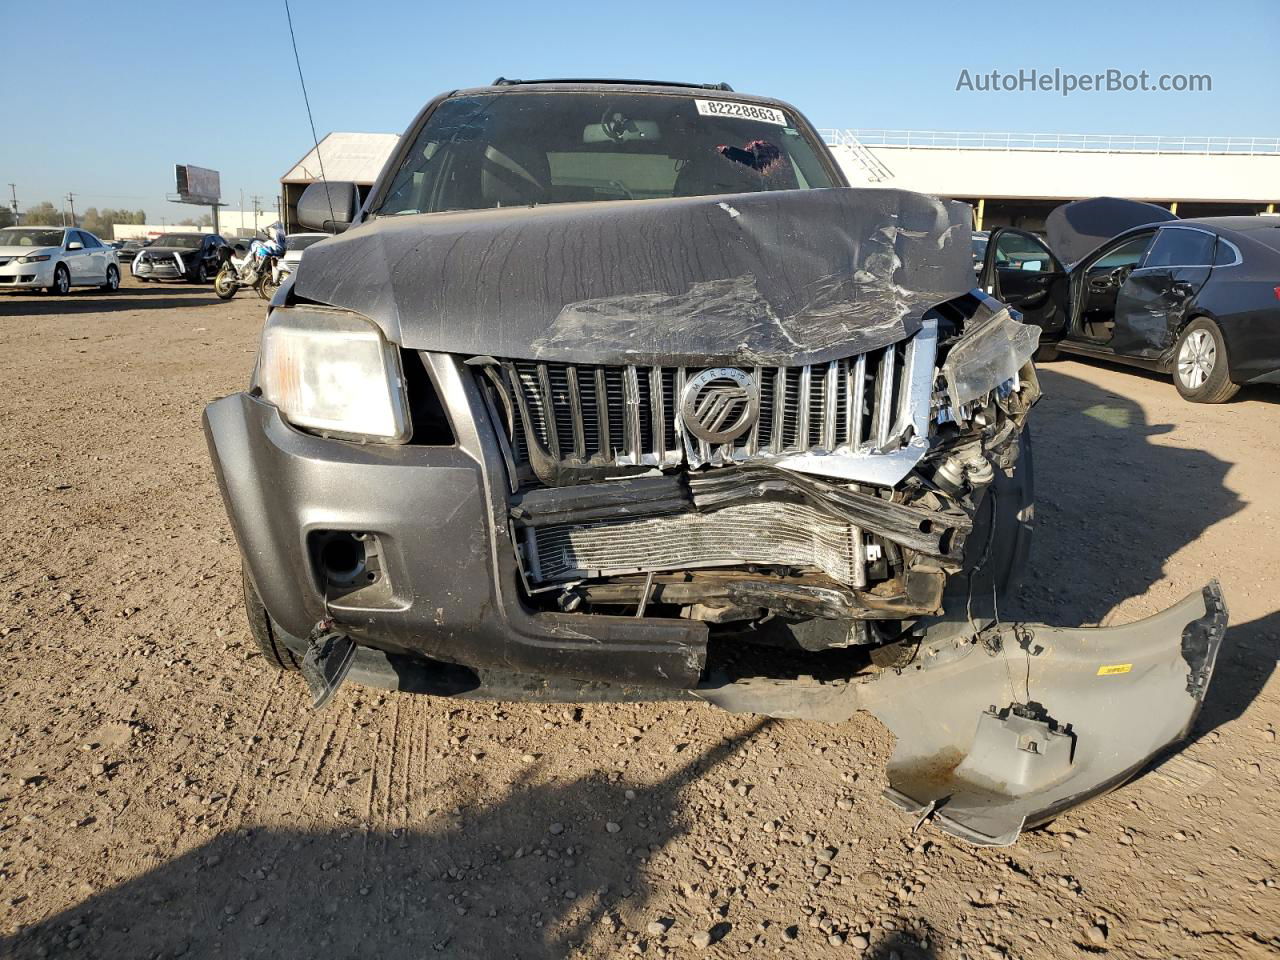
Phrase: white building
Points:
(1016, 179)
(355, 157)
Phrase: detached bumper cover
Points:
(1007, 731)
(1008, 734)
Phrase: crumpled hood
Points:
(1076, 229)
(790, 277)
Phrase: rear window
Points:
(1181, 248)
(523, 149)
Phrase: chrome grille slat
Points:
(575, 412)
(631, 413)
(629, 416)
(548, 410)
(830, 405)
(859, 402)
(602, 414)
(657, 409)
(884, 401)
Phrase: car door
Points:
(95, 257)
(76, 257)
(1152, 303)
(1019, 270)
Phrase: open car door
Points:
(1021, 271)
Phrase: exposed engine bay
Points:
(842, 492)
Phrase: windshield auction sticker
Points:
(741, 111)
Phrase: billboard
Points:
(197, 185)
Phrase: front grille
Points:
(576, 416)
(798, 536)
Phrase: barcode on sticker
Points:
(741, 111)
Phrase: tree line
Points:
(100, 223)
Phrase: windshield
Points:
(519, 149)
(302, 241)
(30, 237)
(178, 241)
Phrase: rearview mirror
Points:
(329, 207)
(75, 245)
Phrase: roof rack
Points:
(504, 82)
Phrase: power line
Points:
(307, 100)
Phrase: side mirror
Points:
(75, 245)
(329, 207)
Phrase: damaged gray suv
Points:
(616, 390)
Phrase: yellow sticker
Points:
(1114, 669)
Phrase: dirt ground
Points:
(166, 793)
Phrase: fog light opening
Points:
(342, 558)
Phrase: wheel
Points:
(271, 640)
(61, 281)
(1200, 368)
(265, 287)
(113, 280)
(224, 284)
(1046, 353)
(201, 273)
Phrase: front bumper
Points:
(15, 275)
(166, 269)
(438, 515)
(997, 729)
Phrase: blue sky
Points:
(105, 97)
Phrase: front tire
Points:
(1201, 370)
(268, 636)
(1046, 353)
(113, 280)
(61, 281)
(265, 287)
(224, 284)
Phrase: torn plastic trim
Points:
(1037, 719)
(989, 355)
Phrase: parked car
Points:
(55, 259)
(979, 243)
(296, 243)
(1196, 299)
(756, 440)
(130, 248)
(192, 257)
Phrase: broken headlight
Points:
(987, 356)
(333, 372)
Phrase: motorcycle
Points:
(261, 268)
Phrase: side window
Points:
(1016, 251)
(1126, 254)
(1180, 247)
(1226, 254)
(89, 240)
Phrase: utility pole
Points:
(71, 199)
(13, 203)
(257, 206)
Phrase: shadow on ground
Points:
(136, 296)
(496, 882)
(1112, 506)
